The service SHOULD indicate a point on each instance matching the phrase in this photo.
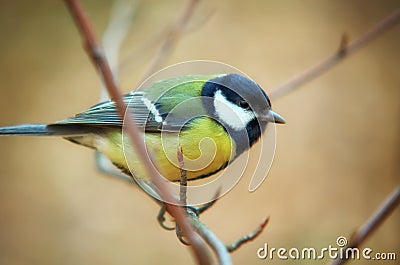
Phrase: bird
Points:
(212, 118)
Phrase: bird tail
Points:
(46, 130)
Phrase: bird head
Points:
(240, 105)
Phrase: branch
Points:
(172, 38)
(249, 237)
(343, 52)
(383, 212)
(212, 240)
(221, 251)
(160, 40)
(182, 191)
(121, 17)
(94, 51)
(209, 204)
(183, 178)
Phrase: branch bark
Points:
(95, 52)
(172, 38)
(343, 52)
(366, 230)
(249, 237)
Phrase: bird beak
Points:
(274, 117)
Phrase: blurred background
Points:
(336, 160)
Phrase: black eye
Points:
(243, 104)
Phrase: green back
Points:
(167, 95)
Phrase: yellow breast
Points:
(207, 148)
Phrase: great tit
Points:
(229, 109)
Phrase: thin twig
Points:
(344, 51)
(161, 218)
(249, 237)
(195, 25)
(209, 204)
(344, 44)
(383, 212)
(161, 38)
(172, 38)
(94, 51)
(183, 179)
(118, 27)
(121, 18)
(212, 240)
(182, 191)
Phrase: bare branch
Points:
(121, 17)
(208, 205)
(158, 41)
(344, 44)
(212, 240)
(183, 178)
(249, 237)
(94, 51)
(195, 25)
(161, 219)
(344, 51)
(383, 212)
(172, 38)
(182, 191)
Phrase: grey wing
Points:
(105, 114)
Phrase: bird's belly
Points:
(204, 153)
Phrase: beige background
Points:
(336, 159)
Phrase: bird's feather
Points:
(158, 107)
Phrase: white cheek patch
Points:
(152, 109)
(232, 115)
